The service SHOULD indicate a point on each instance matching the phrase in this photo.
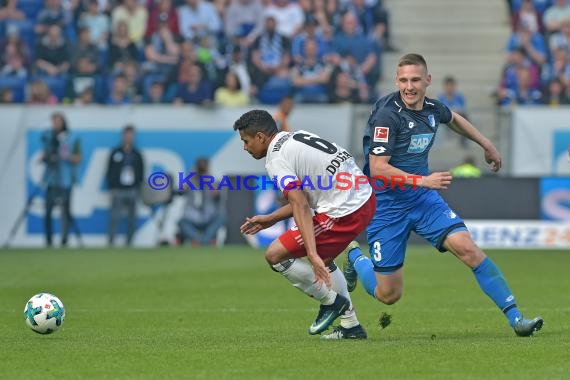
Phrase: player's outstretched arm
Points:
(260, 222)
(462, 126)
(303, 215)
(380, 167)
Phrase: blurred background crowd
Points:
(229, 52)
(537, 68)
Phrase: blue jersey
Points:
(407, 136)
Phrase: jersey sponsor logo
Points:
(378, 150)
(419, 143)
(431, 120)
(381, 134)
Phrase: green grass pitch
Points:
(185, 313)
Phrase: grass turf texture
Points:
(223, 314)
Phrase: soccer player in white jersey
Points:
(307, 169)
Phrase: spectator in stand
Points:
(156, 94)
(523, 93)
(187, 57)
(345, 90)
(555, 94)
(555, 15)
(528, 15)
(209, 57)
(237, 64)
(134, 77)
(197, 90)
(85, 96)
(121, 49)
(39, 93)
(136, 17)
(532, 44)
(9, 11)
(162, 11)
(270, 55)
(118, 94)
(329, 15)
(6, 96)
(52, 53)
(372, 21)
(288, 15)
(455, 101)
(85, 57)
(231, 94)
(310, 31)
(98, 24)
(561, 39)
(14, 60)
(559, 68)
(357, 80)
(349, 42)
(197, 18)
(515, 60)
(243, 21)
(52, 14)
(162, 50)
(311, 76)
(452, 98)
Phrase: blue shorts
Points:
(429, 216)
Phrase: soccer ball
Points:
(44, 313)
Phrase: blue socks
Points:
(365, 270)
(493, 283)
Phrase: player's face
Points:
(412, 81)
(255, 145)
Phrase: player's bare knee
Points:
(271, 256)
(470, 254)
(388, 298)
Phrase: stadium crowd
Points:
(228, 52)
(537, 69)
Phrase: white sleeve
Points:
(282, 173)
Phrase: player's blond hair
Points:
(412, 59)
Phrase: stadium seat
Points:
(274, 91)
(17, 85)
(56, 84)
(101, 88)
(26, 30)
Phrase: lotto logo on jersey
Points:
(381, 134)
(419, 143)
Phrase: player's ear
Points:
(428, 79)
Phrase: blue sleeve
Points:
(538, 43)
(383, 129)
(512, 44)
(445, 115)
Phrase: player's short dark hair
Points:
(449, 79)
(255, 121)
(412, 59)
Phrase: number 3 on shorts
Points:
(377, 251)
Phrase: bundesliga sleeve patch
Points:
(381, 134)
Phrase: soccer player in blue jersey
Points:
(399, 135)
